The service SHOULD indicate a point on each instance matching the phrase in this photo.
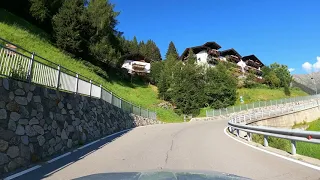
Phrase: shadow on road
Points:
(48, 169)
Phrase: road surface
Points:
(194, 146)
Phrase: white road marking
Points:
(272, 153)
(22, 173)
(59, 157)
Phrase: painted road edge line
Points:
(275, 154)
(22, 172)
(59, 157)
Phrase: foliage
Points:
(166, 78)
(155, 72)
(67, 25)
(134, 46)
(187, 88)
(34, 39)
(191, 59)
(220, 88)
(104, 39)
(249, 82)
(44, 10)
(172, 51)
(277, 75)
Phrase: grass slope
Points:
(263, 94)
(260, 94)
(20, 32)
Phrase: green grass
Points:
(263, 94)
(22, 33)
(260, 94)
(303, 148)
(309, 149)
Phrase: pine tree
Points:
(188, 89)
(191, 57)
(68, 27)
(134, 46)
(143, 50)
(104, 40)
(172, 50)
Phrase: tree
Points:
(153, 51)
(272, 80)
(143, 49)
(134, 46)
(249, 82)
(67, 25)
(44, 10)
(187, 88)
(220, 88)
(282, 73)
(191, 59)
(105, 40)
(172, 51)
(167, 75)
(155, 72)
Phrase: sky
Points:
(282, 31)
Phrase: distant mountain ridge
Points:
(306, 83)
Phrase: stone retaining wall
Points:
(37, 122)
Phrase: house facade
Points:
(136, 64)
(208, 54)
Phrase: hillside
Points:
(19, 31)
(260, 94)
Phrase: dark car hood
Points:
(162, 175)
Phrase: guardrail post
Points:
(77, 82)
(29, 75)
(265, 141)
(59, 73)
(120, 103)
(293, 147)
(90, 88)
(139, 111)
(238, 132)
(148, 112)
(248, 136)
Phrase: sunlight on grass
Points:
(22, 33)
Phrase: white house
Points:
(136, 64)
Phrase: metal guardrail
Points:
(255, 105)
(20, 64)
(240, 123)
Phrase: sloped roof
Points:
(135, 57)
(254, 58)
(197, 49)
(230, 52)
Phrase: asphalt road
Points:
(195, 146)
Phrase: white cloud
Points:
(291, 69)
(307, 67)
(316, 66)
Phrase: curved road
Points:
(188, 146)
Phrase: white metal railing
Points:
(255, 105)
(241, 123)
(35, 69)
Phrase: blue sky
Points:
(283, 31)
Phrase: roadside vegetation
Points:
(84, 39)
(303, 148)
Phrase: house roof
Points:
(212, 45)
(197, 49)
(253, 58)
(135, 57)
(230, 52)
